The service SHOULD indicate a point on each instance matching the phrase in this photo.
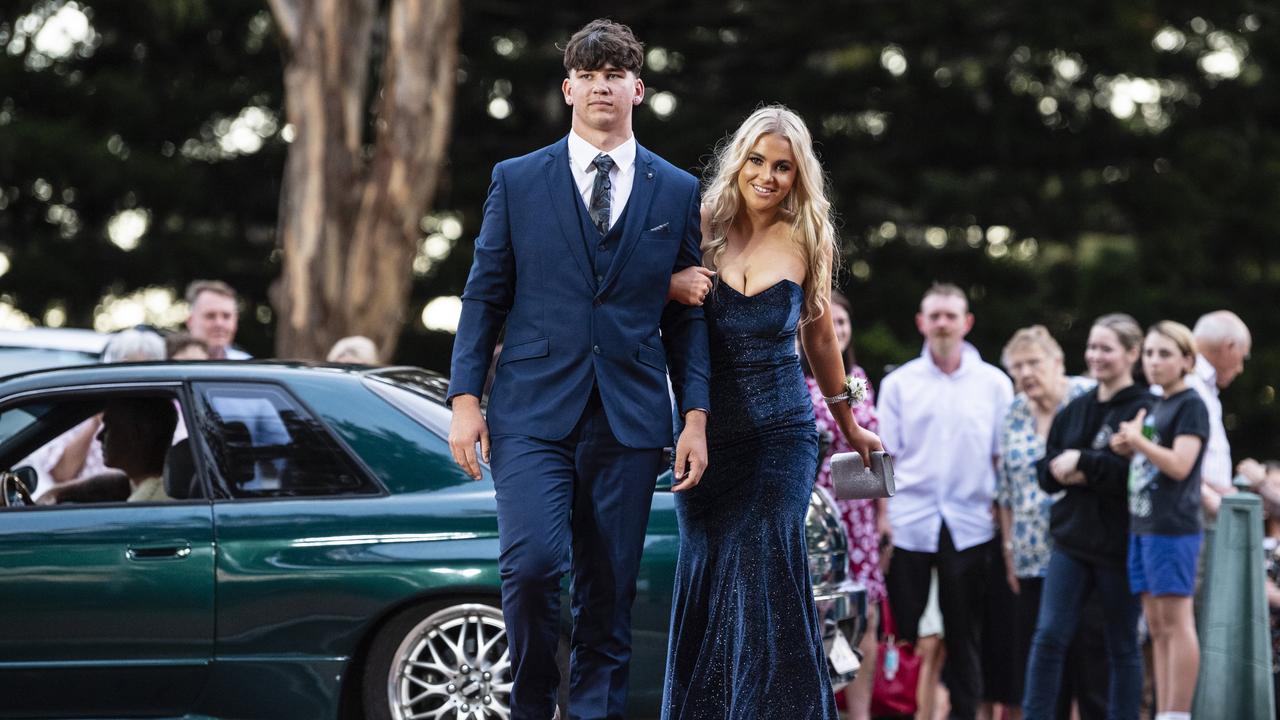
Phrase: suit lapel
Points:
(560, 188)
(642, 188)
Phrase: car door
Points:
(288, 600)
(108, 606)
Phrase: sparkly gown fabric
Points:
(745, 641)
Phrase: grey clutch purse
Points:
(854, 481)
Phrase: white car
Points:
(38, 348)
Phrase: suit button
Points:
(595, 349)
(599, 278)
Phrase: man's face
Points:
(114, 441)
(602, 99)
(213, 320)
(944, 320)
(1227, 359)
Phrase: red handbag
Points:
(893, 689)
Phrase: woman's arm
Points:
(1006, 536)
(823, 351)
(71, 463)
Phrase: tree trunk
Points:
(350, 212)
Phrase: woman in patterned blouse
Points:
(1034, 360)
(865, 521)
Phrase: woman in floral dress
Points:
(865, 521)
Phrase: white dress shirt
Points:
(944, 434)
(1215, 469)
(621, 177)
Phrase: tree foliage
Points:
(1057, 160)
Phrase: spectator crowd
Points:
(1046, 541)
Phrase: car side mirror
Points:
(17, 486)
(29, 477)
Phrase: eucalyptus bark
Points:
(350, 209)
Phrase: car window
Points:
(14, 420)
(101, 447)
(265, 444)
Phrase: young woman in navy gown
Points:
(745, 641)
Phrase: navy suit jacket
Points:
(566, 332)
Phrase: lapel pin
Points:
(648, 176)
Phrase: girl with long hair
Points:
(745, 636)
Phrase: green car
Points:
(319, 556)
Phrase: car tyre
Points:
(438, 655)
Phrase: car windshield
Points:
(429, 385)
(414, 400)
(14, 420)
(21, 359)
(17, 425)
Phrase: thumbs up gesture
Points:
(1129, 434)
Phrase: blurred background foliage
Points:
(1057, 160)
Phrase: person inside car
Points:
(77, 453)
(136, 434)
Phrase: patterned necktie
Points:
(600, 206)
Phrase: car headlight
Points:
(826, 541)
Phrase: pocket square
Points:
(659, 228)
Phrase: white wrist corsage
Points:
(855, 391)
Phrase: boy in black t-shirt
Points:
(1164, 512)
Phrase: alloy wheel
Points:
(454, 665)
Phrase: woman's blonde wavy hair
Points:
(806, 206)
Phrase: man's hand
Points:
(691, 285)
(884, 531)
(1253, 471)
(465, 430)
(691, 451)
(1063, 465)
(1010, 576)
(50, 497)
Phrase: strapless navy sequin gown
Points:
(744, 641)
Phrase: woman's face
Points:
(1106, 357)
(1034, 371)
(1162, 361)
(769, 173)
(844, 327)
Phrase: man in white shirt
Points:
(215, 316)
(1223, 343)
(939, 417)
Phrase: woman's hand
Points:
(1062, 466)
(863, 441)
(1120, 446)
(691, 285)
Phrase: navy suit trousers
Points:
(579, 505)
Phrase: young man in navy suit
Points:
(575, 253)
